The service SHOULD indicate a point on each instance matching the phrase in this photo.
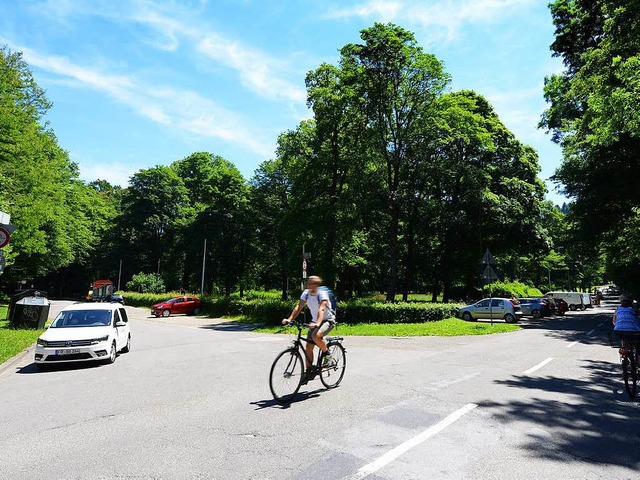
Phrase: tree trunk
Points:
(392, 284)
(410, 260)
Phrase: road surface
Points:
(191, 400)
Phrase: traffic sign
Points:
(305, 266)
(5, 237)
(489, 274)
(488, 259)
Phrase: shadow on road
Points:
(599, 424)
(232, 326)
(573, 326)
(57, 367)
(300, 397)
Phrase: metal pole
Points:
(491, 304)
(302, 276)
(549, 275)
(119, 274)
(158, 266)
(204, 256)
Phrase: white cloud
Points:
(116, 173)
(447, 17)
(181, 110)
(176, 24)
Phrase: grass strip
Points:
(12, 341)
(450, 327)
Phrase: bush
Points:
(271, 311)
(520, 290)
(146, 283)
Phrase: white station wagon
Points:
(85, 332)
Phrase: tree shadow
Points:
(598, 424)
(232, 326)
(571, 327)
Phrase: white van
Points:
(586, 300)
(573, 299)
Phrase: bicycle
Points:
(288, 369)
(629, 357)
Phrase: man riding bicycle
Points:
(323, 318)
(625, 318)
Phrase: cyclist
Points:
(323, 319)
(625, 318)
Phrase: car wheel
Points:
(572, 307)
(467, 317)
(113, 354)
(127, 348)
(196, 311)
(510, 318)
(535, 313)
(166, 313)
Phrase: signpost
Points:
(489, 275)
(5, 237)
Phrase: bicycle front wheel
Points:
(332, 373)
(286, 375)
(630, 373)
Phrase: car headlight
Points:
(96, 341)
(42, 342)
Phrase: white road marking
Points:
(601, 324)
(403, 448)
(591, 332)
(447, 383)
(264, 339)
(538, 366)
(573, 344)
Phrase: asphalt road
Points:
(191, 400)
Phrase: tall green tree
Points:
(399, 83)
(594, 115)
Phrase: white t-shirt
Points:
(314, 301)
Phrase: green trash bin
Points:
(30, 312)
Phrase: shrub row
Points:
(520, 290)
(271, 310)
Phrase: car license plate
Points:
(67, 352)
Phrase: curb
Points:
(17, 358)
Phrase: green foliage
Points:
(594, 114)
(442, 328)
(520, 290)
(146, 283)
(13, 341)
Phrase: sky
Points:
(138, 83)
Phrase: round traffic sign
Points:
(4, 237)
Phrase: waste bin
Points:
(30, 312)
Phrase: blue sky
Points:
(137, 83)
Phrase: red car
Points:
(186, 304)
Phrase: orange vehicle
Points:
(99, 290)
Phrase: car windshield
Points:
(82, 318)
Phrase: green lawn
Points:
(450, 327)
(12, 341)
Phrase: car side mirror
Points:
(121, 324)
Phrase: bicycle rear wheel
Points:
(331, 375)
(285, 377)
(630, 372)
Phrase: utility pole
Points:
(158, 266)
(204, 257)
(119, 274)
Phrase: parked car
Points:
(495, 307)
(85, 332)
(534, 307)
(573, 299)
(115, 298)
(184, 304)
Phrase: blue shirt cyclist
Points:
(625, 318)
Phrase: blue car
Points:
(534, 307)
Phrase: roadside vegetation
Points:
(12, 341)
(450, 327)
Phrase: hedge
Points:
(520, 290)
(272, 311)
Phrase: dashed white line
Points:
(538, 366)
(591, 332)
(601, 324)
(448, 383)
(573, 344)
(391, 455)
